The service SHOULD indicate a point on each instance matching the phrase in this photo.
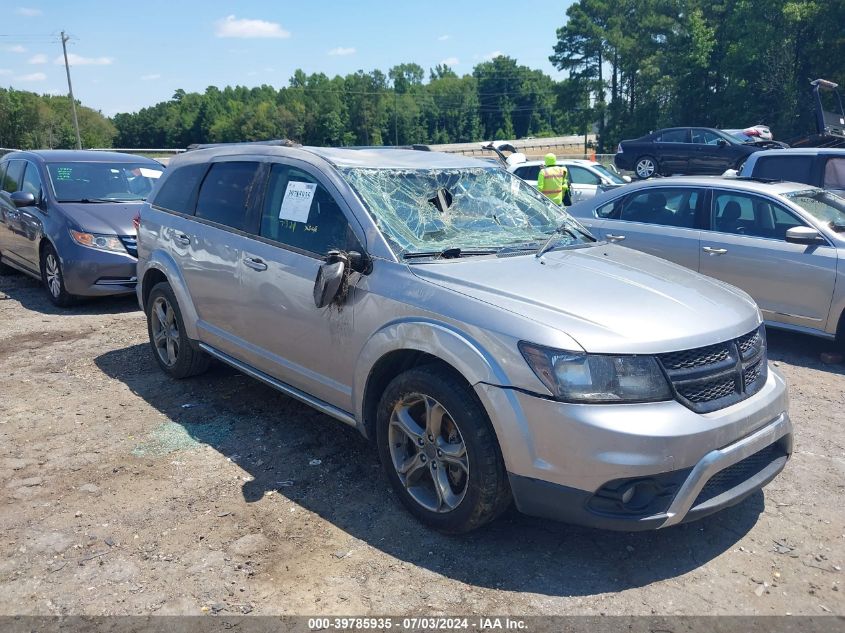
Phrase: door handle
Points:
(714, 251)
(615, 238)
(181, 238)
(255, 263)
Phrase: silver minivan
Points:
(489, 347)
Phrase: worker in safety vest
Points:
(553, 180)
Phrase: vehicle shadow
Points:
(31, 294)
(802, 350)
(277, 441)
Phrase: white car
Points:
(588, 178)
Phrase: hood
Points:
(609, 299)
(108, 218)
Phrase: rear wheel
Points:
(439, 451)
(174, 352)
(645, 167)
(53, 277)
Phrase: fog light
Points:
(629, 494)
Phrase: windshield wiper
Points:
(94, 200)
(448, 253)
(545, 248)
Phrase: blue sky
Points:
(128, 55)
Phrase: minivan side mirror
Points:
(804, 235)
(330, 278)
(23, 199)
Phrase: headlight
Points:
(100, 242)
(574, 377)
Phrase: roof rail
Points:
(281, 142)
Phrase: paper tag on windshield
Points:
(297, 201)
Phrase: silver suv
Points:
(485, 342)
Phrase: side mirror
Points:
(626, 178)
(722, 142)
(330, 278)
(804, 235)
(23, 199)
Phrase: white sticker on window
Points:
(297, 201)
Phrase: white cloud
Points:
(17, 48)
(32, 77)
(150, 77)
(443, 38)
(492, 55)
(341, 51)
(5, 71)
(30, 13)
(451, 61)
(41, 58)
(230, 26)
(78, 60)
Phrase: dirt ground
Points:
(124, 492)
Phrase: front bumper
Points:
(576, 463)
(92, 273)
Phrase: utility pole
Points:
(65, 38)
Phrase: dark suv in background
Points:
(66, 218)
(682, 150)
(819, 167)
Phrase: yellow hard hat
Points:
(550, 159)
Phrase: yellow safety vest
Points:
(552, 182)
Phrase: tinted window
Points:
(704, 137)
(792, 168)
(178, 192)
(2, 173)
(673, 136)
(834, 174)
(667, 207)
(225, 193)
(324, 227)
(32, 181)
(611, 209)
(747, 214)
(581, 176)
(532, 172)
(14, 176)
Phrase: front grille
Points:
(130, 243)
(709, 378)
(732, 476)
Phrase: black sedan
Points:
(682, 150)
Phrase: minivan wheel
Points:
(53, 278)
(175, 353)
(645, 167)
(439, 450)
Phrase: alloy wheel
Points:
(54, 275)
(428, 453)
(645, 168)
(165, 330)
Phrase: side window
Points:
(531, 172)
(792, 168)
(747, 214)
(674, 136)
(3, 173)
(581, 176)
(299, 212)
(666, 207)
(704, 137)
(32, 181)
(834, 173)
(225, 193)
(611, 210)
(178, 192)
(14, 176)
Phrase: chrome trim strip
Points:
(721, 458)
(286, 389)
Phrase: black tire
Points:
(642, 170)
(187, 359)
(485, 490)
(53, 278)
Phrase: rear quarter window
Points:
(178, 192)
(790, 168)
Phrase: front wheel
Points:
(53, 278)
(173, 351)
(439, 451)
(645, 167)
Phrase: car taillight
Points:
(136, 222)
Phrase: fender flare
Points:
(436, 338)
(163, 262)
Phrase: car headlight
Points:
(574, 377)
(100, 242)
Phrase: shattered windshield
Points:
(429, 211)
